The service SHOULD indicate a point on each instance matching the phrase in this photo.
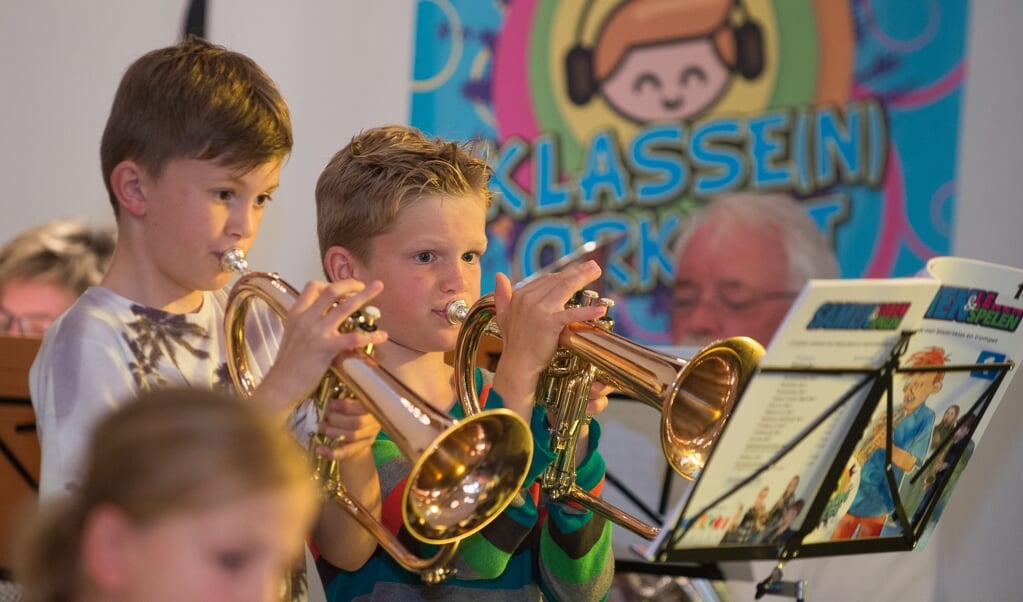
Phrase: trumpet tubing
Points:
(694, 397)
(464, 474)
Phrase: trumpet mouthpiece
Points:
(234, 261)
(456, 311)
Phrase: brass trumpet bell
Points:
(464, 473)
(694, 397)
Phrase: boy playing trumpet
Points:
(410, 212)
(191, 154)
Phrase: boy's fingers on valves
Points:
(322, 298)
(349, 295)
(561, 285)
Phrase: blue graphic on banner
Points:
(626, 117)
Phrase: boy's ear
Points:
(105, 541)
(340, 264)
(126, 182)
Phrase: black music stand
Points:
(877, 384)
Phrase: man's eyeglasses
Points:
(729, 294)
(26, 325)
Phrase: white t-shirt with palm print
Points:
(107, 349)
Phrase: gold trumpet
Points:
(464, 474)
(694, 397)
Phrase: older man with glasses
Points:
(44, 269)
(739, 265)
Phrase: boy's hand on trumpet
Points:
(312, 339)
(347, 421)
(353, 430)
(531, 319)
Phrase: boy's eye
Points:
(263, 199)
(224, 195)
(231, 561)
(424, 257)
(471, 257)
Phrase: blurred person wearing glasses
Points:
(44, 269)
(739, 265)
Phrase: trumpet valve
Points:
(368, 317)
(584, 298)
(366, 320)
(606, 321)
(588, 298)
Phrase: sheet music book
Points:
(789, 428)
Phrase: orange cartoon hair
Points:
(931, 356)
(646, 22)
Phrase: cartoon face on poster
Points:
(731, 148)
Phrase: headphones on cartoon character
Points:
(749, 54)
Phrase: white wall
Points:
(344, 66)
(981, 540)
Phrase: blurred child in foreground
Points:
(186, 495)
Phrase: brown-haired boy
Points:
(410, 211)
(191, 154)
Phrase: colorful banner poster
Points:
(628, 118)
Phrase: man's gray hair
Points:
(807, 250)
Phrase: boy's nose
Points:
(456, 277)
(244, 221)
(261, 588)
